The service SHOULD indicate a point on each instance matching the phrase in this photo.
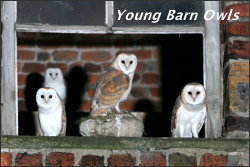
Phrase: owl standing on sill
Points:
(189, 112)
(114, 85)
(51, 113)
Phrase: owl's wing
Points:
(174, 112)
(64, 122)
(202, 120)
(110, 87)
(39, 131)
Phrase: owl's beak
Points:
(126, 66)
(46, 100)
(193, 98)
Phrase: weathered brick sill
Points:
(121, 143)
(114, 151)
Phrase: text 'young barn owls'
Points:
(189, 112)
(114, 85)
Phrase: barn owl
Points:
(51, 113)
(54, 79)
(189, 111)
(114, 85)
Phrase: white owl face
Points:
(193, 93)
(53, 74)
(126, 62)
(47, 97)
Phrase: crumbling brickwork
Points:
(235, 49)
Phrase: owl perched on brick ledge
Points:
(189, 112)
(114, 85)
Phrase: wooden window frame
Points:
(212, 71)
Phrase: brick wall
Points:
(235, 48)
(35, 58)
(124, 152)
(123, 158)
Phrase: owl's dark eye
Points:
(123, 62)
(50, 96)
(190, 93)
(50, 74)
(130, 62)
(42, 96)
(198, 92)
(56, 74)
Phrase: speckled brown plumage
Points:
(114, 85)
(110, 88)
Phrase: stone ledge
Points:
(121, 143)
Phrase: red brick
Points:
(153, 66)
(96, 56)
(177, 159)
(90, 67)
(65, 55)
(143, 54)
(238, 28)
(19, 67)
(156, 54)
(128, 105)
(86, 105)
(33, 67)
(92, 79)
(62, 66)
(43, 56)
(92, 160)
(150, 78)
(121, 160)
(91, 92)
(153, 159)
(141, 66)
(25, 55)
(155, 92)
(60, 159)
(243, 9)
(6, 159)
(25, 159)
(213, 160)
(22, 79)
(239, 49)
(21, 93)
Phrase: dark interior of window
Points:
(181, 62)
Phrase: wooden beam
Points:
(9, 111)
(212, 74)
(104, 30)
